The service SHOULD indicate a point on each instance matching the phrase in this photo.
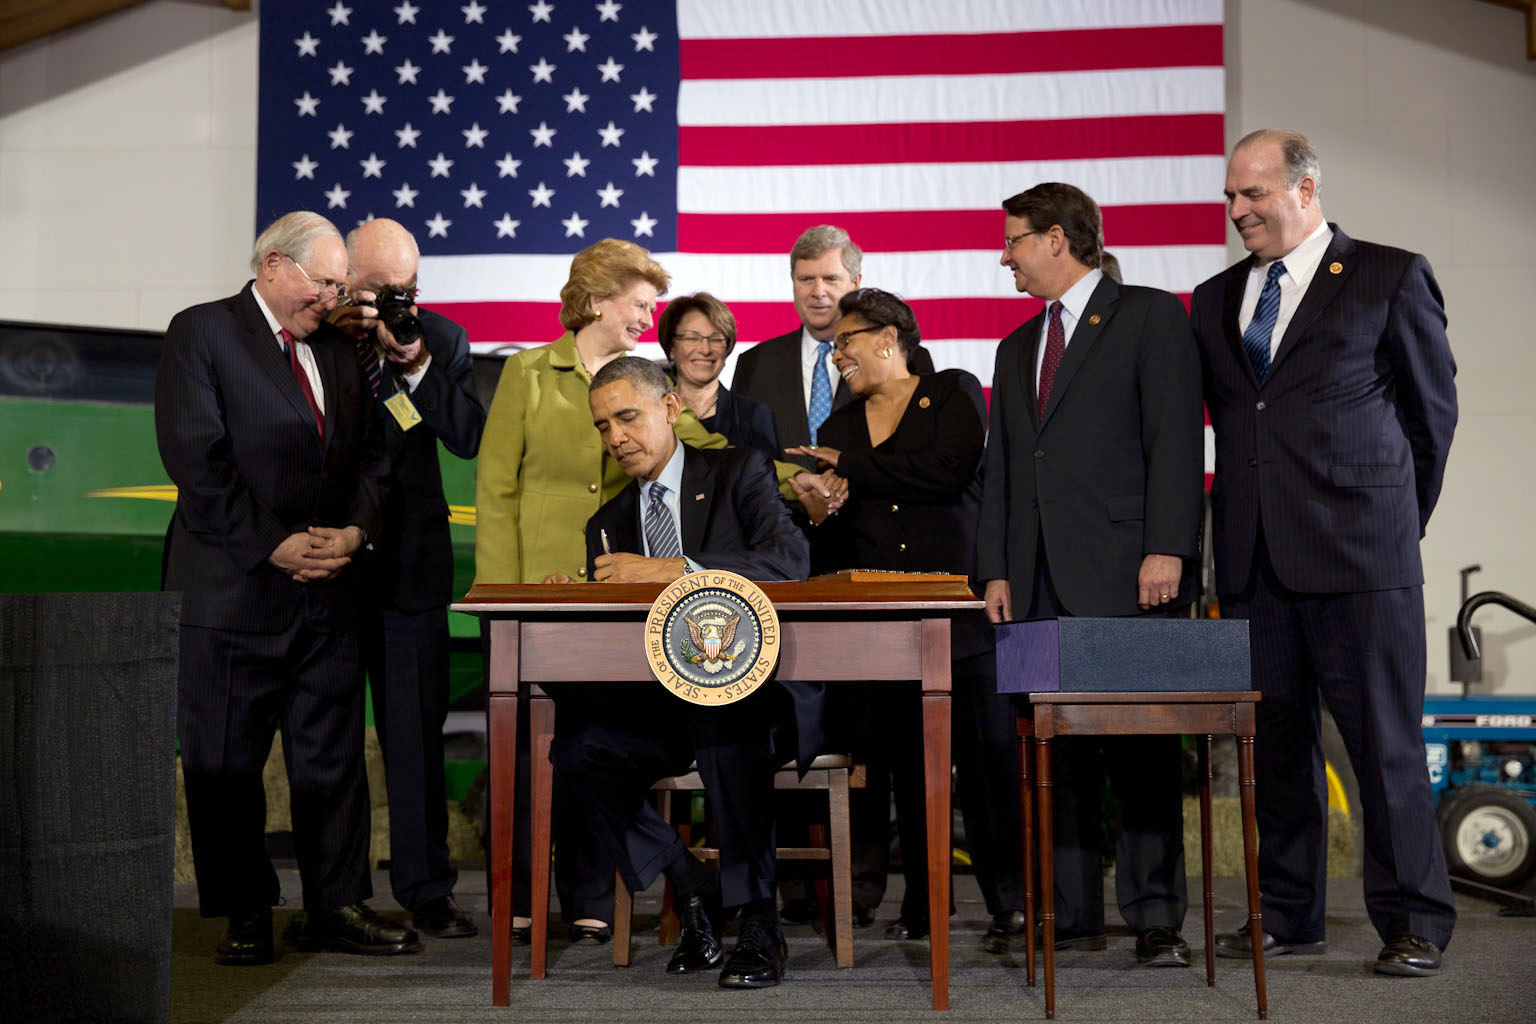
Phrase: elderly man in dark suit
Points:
(688, 509)
(280, 469)
(421, 383)
(1091, 506)
(1332, 394)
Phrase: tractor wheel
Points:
(1489, 835)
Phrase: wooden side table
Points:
(1131, 714)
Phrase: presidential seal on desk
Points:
(712, 637)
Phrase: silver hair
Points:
(823, 239)
(294, 235)
(1300, 158)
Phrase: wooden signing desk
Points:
(836, 630)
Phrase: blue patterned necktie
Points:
(1262, 327)
(821, 390)
(660, 528)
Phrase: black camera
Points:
(394, 306)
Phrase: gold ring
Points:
(1165, 597)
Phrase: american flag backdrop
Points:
(509, 135)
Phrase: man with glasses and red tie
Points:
(279, 467)
(418, 369)
(1091, 505)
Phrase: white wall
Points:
(128, 166)
(127, 185)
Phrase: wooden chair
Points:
(834, 773)
(1132, 714)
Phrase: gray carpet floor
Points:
(1489, 976)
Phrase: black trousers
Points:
(1364, 654)
(1145, 777)
(406, 657)
(613, 742)
(233, 691)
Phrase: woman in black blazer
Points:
(909, 448)
(698, 332)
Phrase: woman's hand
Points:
(820, 452)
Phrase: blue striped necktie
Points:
(660, 528)
(821, 391)
(1262, 327)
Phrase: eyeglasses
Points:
(325, 286)
(1009, 241)
(840, 342)
(712, 340)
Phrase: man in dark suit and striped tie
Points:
(684, 510)
(279, 469)
(423, 394)
(1331, 390)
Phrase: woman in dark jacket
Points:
(698, 332)
(909, 448)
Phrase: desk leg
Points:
(936, 725)
(1043, 805)
(1251, 867)
(503, 767)
(1027, 843)
(541, 730)
(1203, 745)
(502, 752)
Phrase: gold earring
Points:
(597, 314)
(887, 351)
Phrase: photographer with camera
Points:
(417, 363)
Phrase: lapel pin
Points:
(699, 496)
(1095, 318)
(1335, 267)
(923, 403)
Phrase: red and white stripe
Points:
(908, 123)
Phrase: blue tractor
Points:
(1481, 753)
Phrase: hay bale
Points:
(1227, 839)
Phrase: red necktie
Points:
(1055, 345)
(303, 378)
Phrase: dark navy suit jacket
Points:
(1113, 472)
(745, 422)
(239, 441)
(1341, 451)
(730, 518)
(411, 569)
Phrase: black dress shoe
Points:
(356, 928)
(801, 910)
(1089, 942)
(863, 916)
(522, 934)
(902, 930)
(442, 918)
(698, 946)
(589, 934)
(1238, 946)
(760, 957)
(1162, 947)
(1003, 929)
(1409, 956)
(247, 941)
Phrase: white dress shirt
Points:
(1301, 264)
(306, 357)
(1072, 305)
